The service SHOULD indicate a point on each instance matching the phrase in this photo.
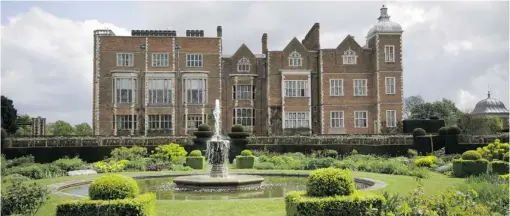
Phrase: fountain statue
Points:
(217, 154)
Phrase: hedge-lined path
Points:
(403, 185)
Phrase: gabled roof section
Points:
(293, 44)
(349, 40)
(244, 50)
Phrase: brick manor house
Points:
(158, 83)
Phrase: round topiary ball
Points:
(110, 187)
(506, 157)
(204, 127)
(419, 132)
(471, 155)
(246, 153)
(195, 153)
(454, 130)
(330, 182)
(237, 128)
(443, 131)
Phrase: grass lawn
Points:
(403, 185)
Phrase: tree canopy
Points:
(9, 116)
(444, 109)
(83, 129)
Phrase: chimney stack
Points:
(219, 32)
(264, 43)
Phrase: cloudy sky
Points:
(453, 50)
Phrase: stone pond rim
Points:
(231, 182)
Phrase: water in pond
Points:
(272, 187)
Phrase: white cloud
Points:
(47, 64)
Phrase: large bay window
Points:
(243, 92)
(160, 90)
(125, 90)
(297, 120)
(125, 122)
(244, 117)
(160, 122)
(195, 90)
(296, 88)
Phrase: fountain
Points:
(217, 154)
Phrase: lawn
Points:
(433, 185)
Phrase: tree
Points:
(9, 116)
(83, 129)
(62, 128)
(479, 124)
(411, 102)
(24, 125)
(444, 109)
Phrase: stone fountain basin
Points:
(205, 181)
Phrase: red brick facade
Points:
(303, 88)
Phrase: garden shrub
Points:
(15, 178)
(245, 162)
(37, 171)
(196, 162)
(471, 155)
(246, 152)
(113, 186)
(180, 167)
(330, 182)
(464, 168)
(298, 204)
(295, 155)
(20, 161)
(111, 166)
(262, 159)
(195, 153)
(427, 161)
(142, 205)
(172, 152)
(4, 165)
(204, 127)
(354, 152)
(23, 198)
(500, 167)
(154, 164)
(139, 164)
(443, 131)
(454, 130)
(419, 132)
(237, 128)
(490, 189)
(264, 166)
(506, 157)
(494, 151)
(69, 164)
(317, 163)
(505, 177)
(412, 153)
(132, 153)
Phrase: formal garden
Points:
(134, 180)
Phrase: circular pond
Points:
(164, 188)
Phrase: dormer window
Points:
(349, 57)
(243, 65)
(295, 59)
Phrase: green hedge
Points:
(245, 162)
(500, 167)
(143, 205)
(464, 168)
(298, 204)
(196, 162)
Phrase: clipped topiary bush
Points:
(419, 132)
(500, 167)
(443, 131)
(110, 187)
(453, 130)
(204, 127)
(237, 128)
(195, 153)
(471, 155)
(196, 162)
(330, 182)
(464, 168)
(246, 152)
(354, 152)
(412, 153)
(143, 205)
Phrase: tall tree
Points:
(479, 125)
(24, 125)
(9, 116)
(62, 128)
(444, 109)
(411, 102)
(83, 129)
